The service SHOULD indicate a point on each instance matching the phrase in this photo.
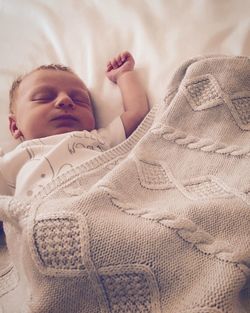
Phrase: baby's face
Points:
(50, 102)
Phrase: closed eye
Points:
(42, 100)
(43, 97)
(80, 98)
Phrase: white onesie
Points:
(34, 163)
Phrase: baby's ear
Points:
(15, 131)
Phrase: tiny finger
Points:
(119, 60)
(123, 57)
(109, 68)
(109, 64)
(126, 55)
(114, 63)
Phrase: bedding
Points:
(182, 243)
(86, 34)
(159, 223)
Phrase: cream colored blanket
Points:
(160, 223)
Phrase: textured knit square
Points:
(207, 190)
(203, 92)
(242, 107)
(153, 176)
(58, 243)
(127, 292)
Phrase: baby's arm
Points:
(120, 71)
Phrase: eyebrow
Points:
(43, 87)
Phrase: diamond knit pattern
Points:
(242, 106)
(153, 176)
(206, 189)
(203, 93)
(58, 243)
(128, 292)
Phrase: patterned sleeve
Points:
(113, 133)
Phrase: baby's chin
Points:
(58, 131)
(63, 130)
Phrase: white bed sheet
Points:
(84, 34)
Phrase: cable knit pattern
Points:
(159, 223)
(191, 233)
(204, 144)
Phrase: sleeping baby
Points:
(51, 112)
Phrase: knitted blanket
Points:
(160, 223)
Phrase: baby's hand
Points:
(121, 64)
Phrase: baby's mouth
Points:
(65, 121)
(64, 117)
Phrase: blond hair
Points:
(19, 79)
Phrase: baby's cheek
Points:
(88, 121)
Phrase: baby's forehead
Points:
(51, 77)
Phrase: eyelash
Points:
(79, 100)
(48, 98)
(43, 97)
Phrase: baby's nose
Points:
(64, 102)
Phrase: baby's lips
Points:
(64, 117)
